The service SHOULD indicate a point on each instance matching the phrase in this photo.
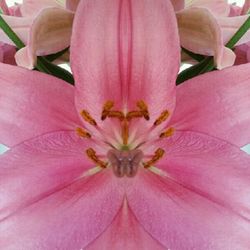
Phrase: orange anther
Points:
(144, 108)
(106, 108)
(82, 133)
(134, 114)
(163, 117)
(157, 156)
(87, 117)
(92, 155)
(169, 132)
(116, 114)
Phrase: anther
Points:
(82, 133)
(163, 117)
(92, 155)
(169, 132)
(116, 114)
(106, 108)
(157, 156)
(134, 114)
(144, 109)
(87, 117)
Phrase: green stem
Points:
(196, 57)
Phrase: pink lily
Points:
(58, 184)
(205, 28)
(44, 29)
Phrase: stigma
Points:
(126, 159)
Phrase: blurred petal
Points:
(72, 4)
(32, 103)
(178, 4)
(217, 7)
(33, 7)
(50, 32)
(129, 51)
(181, 219)
(56, 206)
(217, 104)
(7, 53)
(125, 233)
(246, 7)
(4, 7)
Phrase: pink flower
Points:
(59, 187)
(44, 27)
(205, 27)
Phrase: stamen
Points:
(106, 108)
(125, 132)
(134, 114)
(92, 155)
(116, 114)
(87, 117)
(82, 133)
(144, 108)
(162, 118)
(169, 132)
(157, 156)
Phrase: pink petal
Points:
(33, 103)
(178, 4)
(125, 233)
(217, 104)
(20, 26)
(181, 219)
(246, 7)
(217, 7)
(72, 4)
(33, 7)
(50, 32)
(7, 53)
(210, 167)
(205, 41)
(47, 202)
(4, 7)
(125, 51)
(230, 25)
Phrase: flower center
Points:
(125, 160)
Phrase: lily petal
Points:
(217, 7)
(125, 233)
(33, 7)
(178, 4)
(184, 219)
(72, 4)
(50, 32)
(230, 26)
(4, 7)
(217, 104)
(245, 7)
(125, 51)
(209, 167)
(26, 97)
(201, 33)
(48, 203)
